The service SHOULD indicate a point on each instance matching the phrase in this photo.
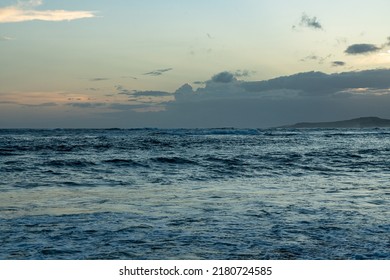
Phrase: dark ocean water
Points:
(195, 194)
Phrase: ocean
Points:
(195, 194)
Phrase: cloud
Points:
(300, 97)
(357, 49)
(148, 97)
(199, 83)
(243, 73)
(318, 83)
(387, 44)
(25, 11)
(308, 58)
(129, 77)
(226, 77)
(223, 77)
(6, 38)
(86, 104)
(308, 96)
(46, 104)
(297, 86)
(338, 63)
(184, 89)
(121, 90)
(310, 22)
(361, 49)
(158, 72)
(313, 57)
(99, 79)
(9, 102)
(150, 93)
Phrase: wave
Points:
(173, 160)
(123, 162)
(70, 163)
(208, 131)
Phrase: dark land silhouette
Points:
(364, 122)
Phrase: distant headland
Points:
(365, 122)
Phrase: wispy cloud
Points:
(387, 44)
(158, 72)
(317, 58)
(26, 11)
(122, 90)
(310, 22)
(99, 79)
(243, 73)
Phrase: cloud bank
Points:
(26, 11)
(227, 101)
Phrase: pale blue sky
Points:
(103, 54)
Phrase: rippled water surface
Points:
(195, 194)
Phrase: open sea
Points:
(195, 194)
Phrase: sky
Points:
(203, 63)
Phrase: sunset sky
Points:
(151, 63)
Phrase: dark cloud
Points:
(199, 83)
(137, 93)
(338, 63)
(87, 104)
(301, 85)
(310, 22)
(47, 104)
(309, 96)
(150, 93)
(158, 72)
(318, 83)
(361, 49)
(247, 113)
(126, 107)
(121, 90)
(227, 77)
(111, 106)
(184, 89)
(223, 77)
